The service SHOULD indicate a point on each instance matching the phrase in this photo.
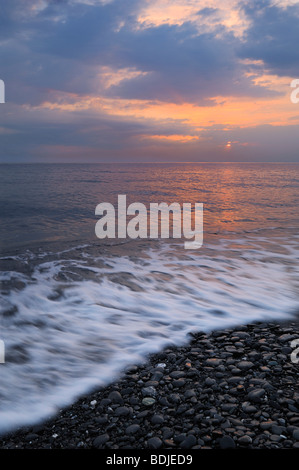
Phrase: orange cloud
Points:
(172, 138)
(177, 12)
(227, 112)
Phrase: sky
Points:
(149, 80)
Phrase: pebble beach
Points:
(227, 389)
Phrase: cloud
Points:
(65, 45)
(90, 74)
(273, 36)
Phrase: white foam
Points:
(97, 325)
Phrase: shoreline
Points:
(230, 388)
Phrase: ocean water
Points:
(76, 311)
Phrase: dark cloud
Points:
(273, 36)
(183, 65)
(207, 11)
(59, 50)
(62, 47)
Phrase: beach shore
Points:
(231, 388)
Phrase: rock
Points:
(256, 395)
(152, 383)
(177, 374)
(179, 383)
(190, 394)
(266, 424)
(31, 437)
(100, 440)
(245, 365)
(157, 419)
(157, 376)
(278, 430)
(242, 334)
(149, 392)
(210, 381)
(188, 442)
(227, 442)
(245, 440)
(220, 399)
(175, 398)
(214, 362)
(154, 443)
(248, 408)
(286, 337)
(148, 401)
(115, 397)
(122, 411)
(132, 429)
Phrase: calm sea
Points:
(76, 311)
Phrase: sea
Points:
(76, 310)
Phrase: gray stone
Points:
(188, 442)
(179, 383)
(278, 430)
(286, 337)
(245, 440)
(157, 419)
(122, 411)
(132, 429)
(227, 442)
(176, 374)
(256, 395)
(248, 408)
(154, 443)
(245, 365)
(266, 424)
(190, 393)
(149, 391)
(116, 397)
(210, 381)
(213, 361)
(101, 440)
(148, 401)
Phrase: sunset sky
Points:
(149, 80)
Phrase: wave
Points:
(72, 320)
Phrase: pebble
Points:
(147, 401)
(188, 442)
(101, 440)
(256, 395)
(245, 440)
(122, 411)
(132, 429)
(157, 419)
(149, 392)
(154, 443)
(226, 389)
(245, 365)
(227, 442)
(115, 397)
